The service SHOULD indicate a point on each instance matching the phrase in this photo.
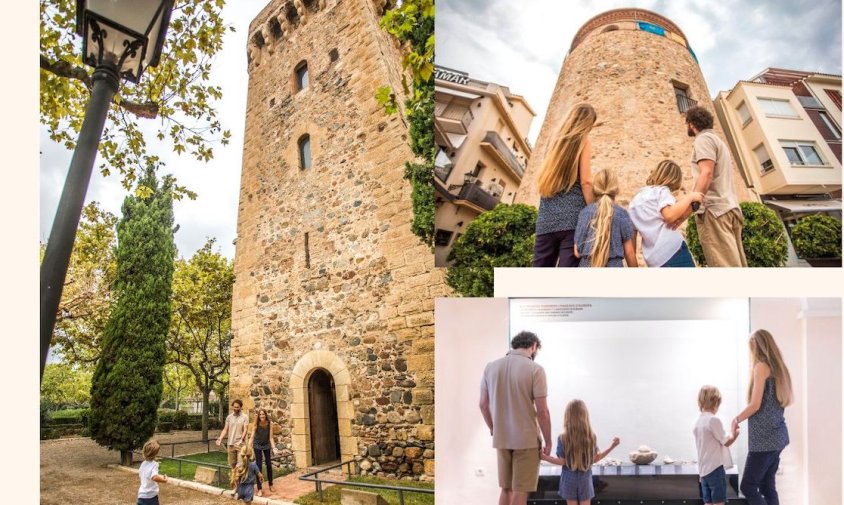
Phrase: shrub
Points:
(502, 237)
(180, 420)
(195, 422)
(763, 237)
(166, 415)
(817, 236)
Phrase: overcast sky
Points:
(214, 212)
(522, 44)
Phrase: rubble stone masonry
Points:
(328, 273)
(629, 76)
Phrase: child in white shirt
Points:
(656, 214)
(148, 492)
(713, 455)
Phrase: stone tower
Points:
(333, 299)
(639, 72)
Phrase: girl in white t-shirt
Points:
(148, 492)
(656, 214)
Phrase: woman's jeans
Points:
(259, 458)
(757, 483)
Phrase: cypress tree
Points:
(127, 384)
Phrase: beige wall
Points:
(817, 85)
(767, 130)
(490, 112)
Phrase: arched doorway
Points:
(322, 406)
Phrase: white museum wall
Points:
(639, 365)
(469, 333)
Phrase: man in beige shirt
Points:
(513, 404)
(235, 428)
(719, 220)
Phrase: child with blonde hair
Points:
(565, 187)
(604, 236)
(577, 450)
(245, 475)
(656, 214)
(148, 473)
(712, 443)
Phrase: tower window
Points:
(334, 55)
(305, 152)
(301, 76)
(681, 92)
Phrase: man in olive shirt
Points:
(719, 220)
(513, 401)
(236, 424)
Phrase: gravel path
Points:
(75, 471)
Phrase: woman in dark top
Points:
(768, 395)
(565, 188)
(262, 444)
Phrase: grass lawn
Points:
(332, 494)
(171, 468)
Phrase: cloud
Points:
(524, 48)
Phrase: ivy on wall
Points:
(412, 24)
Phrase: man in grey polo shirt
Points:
(513, 401)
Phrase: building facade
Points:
(636, 68)
(481, 129)
(332, 313)
(784, 129)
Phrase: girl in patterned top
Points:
(768, 394)
(605, 236)
(565, 187)
(577, 450)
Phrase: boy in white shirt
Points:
(148, 492)
(713, 455)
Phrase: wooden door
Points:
(325, 434)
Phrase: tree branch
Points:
(148, 110)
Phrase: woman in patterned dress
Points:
(768, 395)
(565, 188)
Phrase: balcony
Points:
(454, 119)
(477, 196)
(494, 146)
(684, 103)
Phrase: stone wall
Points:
(628, 76)
(328, 273)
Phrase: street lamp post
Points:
(120, 38)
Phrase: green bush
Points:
(763, 237)
(166, 415)
(180, 420)
(195, 422)
(817, 236)
(502, 237)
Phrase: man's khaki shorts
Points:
(233, 450)
(518, 469)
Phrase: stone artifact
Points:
(643, 456)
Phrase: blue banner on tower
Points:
(651, 28)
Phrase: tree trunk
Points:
(206, 392)
(125, 457)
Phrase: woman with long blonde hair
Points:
(565, 187)
(656, 214)
(769, 392)
(605, 236)
(262, 443)
(577, 450)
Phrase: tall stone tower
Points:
(639, 72)
(333, 299)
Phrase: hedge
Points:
(817, 236)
